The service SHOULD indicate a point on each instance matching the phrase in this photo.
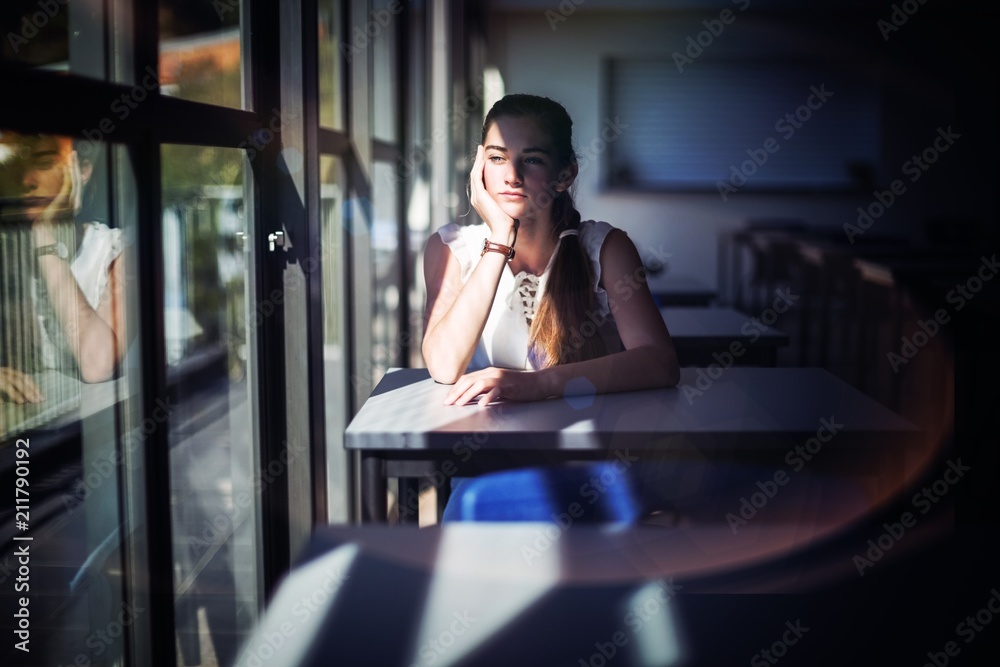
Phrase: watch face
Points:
(58, 249)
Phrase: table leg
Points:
(443, 494)
(409, 500)
(374, 506)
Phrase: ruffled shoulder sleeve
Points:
(465, 243)
(99, 247)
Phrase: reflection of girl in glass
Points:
(77, 296)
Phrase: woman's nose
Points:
(513, 174)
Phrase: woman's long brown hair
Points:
(564, 329)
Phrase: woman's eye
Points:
(495, 159)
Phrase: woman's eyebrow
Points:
(533, 149)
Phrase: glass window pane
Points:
(215, 489)
(387, 344)
(53, 34)
(33, 36)
(67, 390)
(335, 362)
(331, 106)
(201, 51)
(386, 15)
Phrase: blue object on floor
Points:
(593, 493)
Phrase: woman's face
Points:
(43, 175)
(521, 172)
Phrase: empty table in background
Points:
(680, 290)
(699, 333)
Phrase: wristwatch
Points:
(490, 246)
(58, 249)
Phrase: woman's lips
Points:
(513, 196)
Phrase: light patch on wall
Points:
(493, 88)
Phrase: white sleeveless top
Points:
(504, 343)
(91, 267)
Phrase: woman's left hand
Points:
(496, 383)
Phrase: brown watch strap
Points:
(490, 246)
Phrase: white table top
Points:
(742, 408)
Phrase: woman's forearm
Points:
(648, 367)
(90, 338)
(449, 344)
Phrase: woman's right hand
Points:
(503, 228)
(63, 206)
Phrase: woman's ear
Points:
(567, 176)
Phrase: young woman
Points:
(80, 318)
(535, 303)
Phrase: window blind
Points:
(712, 124)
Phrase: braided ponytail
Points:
(558, 335)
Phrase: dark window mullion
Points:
(103, 111)
(156, 450)
(333, 142)
(401, 34)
